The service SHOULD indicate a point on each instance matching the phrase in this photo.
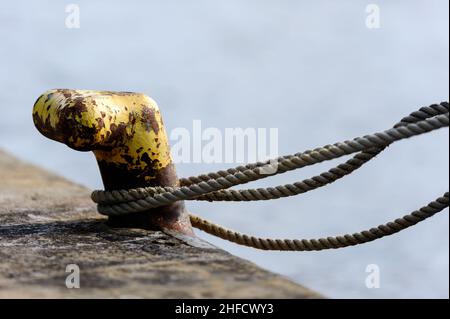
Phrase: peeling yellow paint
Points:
(120, 127)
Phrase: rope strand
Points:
(124, 202)
(346, 240)
(214, 186)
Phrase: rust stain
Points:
(126, 133)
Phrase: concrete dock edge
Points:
(48, 223)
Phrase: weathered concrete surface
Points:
(47, 222)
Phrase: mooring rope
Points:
(214, 186)
(324, 243)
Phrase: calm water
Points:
(312, 69)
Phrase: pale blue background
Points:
(310, 68)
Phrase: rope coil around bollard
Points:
(214, 186)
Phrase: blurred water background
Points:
(310, 68)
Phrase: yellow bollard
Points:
(126, 133)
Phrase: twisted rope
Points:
(324, 243)
(323, 179)
(213, 186)
(278, 191)
(123, 202)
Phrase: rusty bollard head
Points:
(126, 133)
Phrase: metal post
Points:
(126, 133)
